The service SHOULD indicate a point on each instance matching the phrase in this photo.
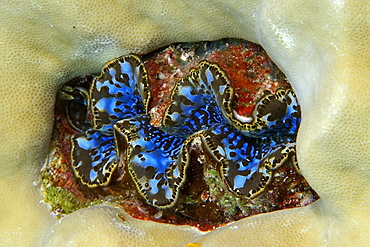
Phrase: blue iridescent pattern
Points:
(201, 107)
(152, 155)
(94, 157)
(118, 93)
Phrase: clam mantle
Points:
(179, 138)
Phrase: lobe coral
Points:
(322, 47)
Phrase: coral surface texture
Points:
(321, 46)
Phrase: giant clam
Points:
(117, 146)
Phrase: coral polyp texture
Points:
(192, 128)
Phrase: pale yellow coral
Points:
(322, 46)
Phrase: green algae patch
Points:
(62, 201)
